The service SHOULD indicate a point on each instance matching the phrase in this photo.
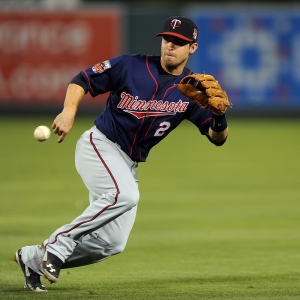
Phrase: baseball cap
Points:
(180, 27)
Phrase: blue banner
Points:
(254, 55)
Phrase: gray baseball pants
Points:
(102, 230)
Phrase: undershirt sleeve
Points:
(79, 80)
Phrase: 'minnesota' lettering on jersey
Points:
(132, 104)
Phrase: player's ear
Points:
(193, 47)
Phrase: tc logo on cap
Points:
(175, 23)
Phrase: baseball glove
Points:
(206, 92)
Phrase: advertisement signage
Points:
(255, 55)
(40, 52)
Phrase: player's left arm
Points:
(218, 137)
(218, 130)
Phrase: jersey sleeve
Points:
(79, 80)
(104, 76)
(202, 118)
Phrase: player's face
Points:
(175, 53)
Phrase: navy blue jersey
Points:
(139, 112)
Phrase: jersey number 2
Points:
(163, 126)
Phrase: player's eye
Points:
(176, 41)
(180, 42)
(166, 38)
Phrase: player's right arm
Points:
(63, 123)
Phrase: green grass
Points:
(213, 222)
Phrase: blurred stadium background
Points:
(253, 49)
(196, 236)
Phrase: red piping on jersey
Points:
(106, 207)
(156, 83)
(88, 81)
(208, 119)
(156, 89)
(134, 139)
(171, 87)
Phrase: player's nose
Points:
(171, 45)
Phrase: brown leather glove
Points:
(206, 92)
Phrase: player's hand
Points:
(206, 92)
(63, 124)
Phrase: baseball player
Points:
(144, 105)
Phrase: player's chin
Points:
(171, 63)
(170, 59)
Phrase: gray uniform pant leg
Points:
(103, 228)
(102, 243)
(94, 247)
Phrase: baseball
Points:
(42, 133)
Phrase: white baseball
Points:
(42, 133)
